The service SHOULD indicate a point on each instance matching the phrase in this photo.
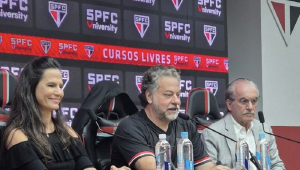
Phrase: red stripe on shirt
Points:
(140, 154)
(201, 160)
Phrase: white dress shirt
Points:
(248, 136)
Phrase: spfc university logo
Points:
(142, 23)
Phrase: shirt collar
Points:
(159, 130)
(238, 127)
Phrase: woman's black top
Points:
(26, 156)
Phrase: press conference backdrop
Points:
(117, 40)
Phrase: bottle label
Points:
(157, 158)
(269, 162)
(180, 159)
(258, 156)
(246, 164)
(189, 165)
(167, 166)
(158, 166)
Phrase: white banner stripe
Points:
(208, 101)
(7, 86)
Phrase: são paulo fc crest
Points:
(210, 33)
(142, 23)
(197, 61)
(65, 77)
(177, 4)
(226, 64)
(138, 82)
(89, 50)
(58, 11)
(286, 15)
(45, 45)
(212, 86)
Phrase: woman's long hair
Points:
(25, 113)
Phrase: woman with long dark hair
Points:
(34, 138)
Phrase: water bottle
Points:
(163, 153)
(185, 156)
(242, 155)
(263, 152)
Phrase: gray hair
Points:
(150, 80)
(229, 92)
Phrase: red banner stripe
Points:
(76, 50)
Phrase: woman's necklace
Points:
(47, 133)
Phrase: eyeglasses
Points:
(245, 101)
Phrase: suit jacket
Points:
(222, 150)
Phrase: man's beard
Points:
(163, 115)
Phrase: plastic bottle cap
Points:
(261, 135)
(184, 134)
(241, 138)
(162, 136)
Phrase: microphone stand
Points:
(262, 121)
(279, 136)
(253, 158)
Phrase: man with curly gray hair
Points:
(136, 137)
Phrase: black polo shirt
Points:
(137, 136)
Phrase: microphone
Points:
(262, 121)
(184, 116)
(187, 117)
(253, 158)
(261, 117)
